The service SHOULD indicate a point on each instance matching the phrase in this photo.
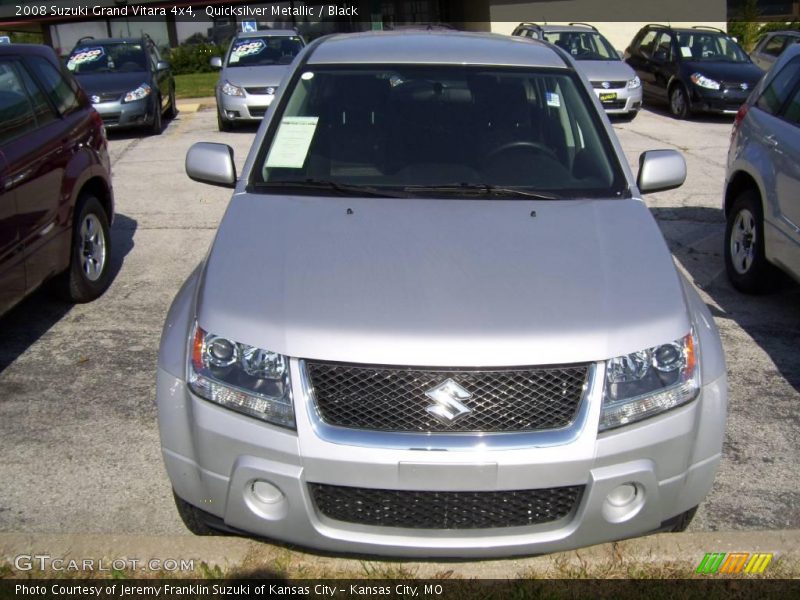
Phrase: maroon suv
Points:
(56, 199)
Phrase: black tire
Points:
(683, 520)
(679, 104)
(745, 261)
(89, 271)
(192, 517)
(172, 111)
(158, 124)
(223, 124)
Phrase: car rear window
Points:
(400, 126)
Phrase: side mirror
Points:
(211, 163)
(660, 170)
(162, 65)
(216, 62)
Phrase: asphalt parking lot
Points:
(78, 434)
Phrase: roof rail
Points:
(529, 24)
(84, 38)
(658, 25)
(710, 28)
(585, 25)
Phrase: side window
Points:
(647, 44)
(664, 49)
(792, 112)
(41, 107)
(779, 88)
(55, 86)
(774, 46)
(16, 114)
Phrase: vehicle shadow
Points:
(33, 317)
(663, 110)
(696, 236)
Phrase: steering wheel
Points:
(523, 145)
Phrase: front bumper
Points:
(619, 101)
(118, 114)
(250, 107)
(213, 456)
(725, 101)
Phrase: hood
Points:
(605, 70)
(268, 75)
(441, 282)
(725, 71)
(112, 83)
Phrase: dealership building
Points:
(171, 23)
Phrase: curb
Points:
(190, 105)
(241, 554)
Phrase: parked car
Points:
(255, 64)
(437, 317)
(770, 46)
(56, 199)
(762, 184)
(700, 69)
(128, 83)
(616, 85)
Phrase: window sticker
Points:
(686, 52)
(553, 99)
(85, 55)
(246, 48)
(291, 144)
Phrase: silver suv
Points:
(437, 318)
(762, 190)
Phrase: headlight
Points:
(231, 90)
(243, 378)
(634, 83)
(646, 383)
(143, 91)
(704, 81)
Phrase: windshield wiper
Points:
(480, 188)
(344, 189)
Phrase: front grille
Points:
(444, 510)
(615, 104)
(612, 85)
(257, 111)
(110, 119)
(106, 97)
(735, 85)
(393, 398)
(260, 90)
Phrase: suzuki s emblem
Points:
(95, 99)
(446, 396)
(744, 86)
(605, 85)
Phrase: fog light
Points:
(622, 495)
(623, 502)
(266, 492)
(266, 500)
(232, 114)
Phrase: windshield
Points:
(705, 46)
(583, 45)
(259, 51)
(430, 130)
(105, 58)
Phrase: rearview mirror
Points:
(660, 170)
(216, 62)
(207, 162)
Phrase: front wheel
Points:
(745, 260)
(192, 517)
(157, 126)
(223, 124)
(679, 102)
(89, 273)
(172, 111)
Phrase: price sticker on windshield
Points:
(290, 148)
(85, 55)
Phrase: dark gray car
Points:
(128, 83)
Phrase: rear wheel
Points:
(679, 102)
(89, 273)
(745, 260)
